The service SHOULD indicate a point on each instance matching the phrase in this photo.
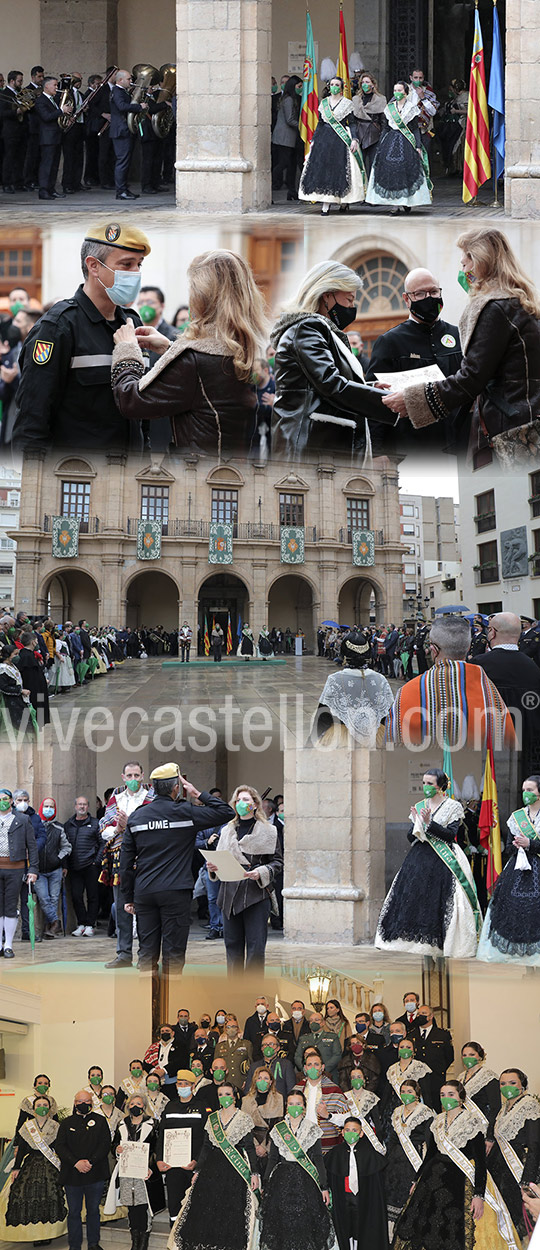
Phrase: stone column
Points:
(371, 35)
(522, 173)
(224, 102)
(79, 35)
(335, 846)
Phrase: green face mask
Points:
(136, 1074)
(152, 1086)
(335, 89)
(313, 1073)
(529, 796)
(147, 313)
(405, 1052)
(42, 1111)
(449, 1104)
(357, 1082)
(367, 87)
(226, 1100)
(510, 1091)
(5, 805)
(96, 1080)
(275, 88)
(429, 791)
(465, 280)
(398, 95)
(470, 1061)
(295, 1111)
(407, 1099)
(268, 1052)
(133, 784)
(219, 1076)
(263, 1085)
(42, 1089)
(182, 325)
(108, 1099)
(242, 807)
(351, 1136)
(197, 1070)
(355, 351)
(15, 308)
(271, 361)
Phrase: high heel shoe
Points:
(344, 208)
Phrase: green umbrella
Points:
(31, 918)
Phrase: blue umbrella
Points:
(452, 609)
(333, 624)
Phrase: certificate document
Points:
(177, 1147)
(428, 373)
(133, 1162)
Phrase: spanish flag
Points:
(309, 111)
(229, 635)
(489, 827)
(343, 62)
(206, 636)
(477, 164)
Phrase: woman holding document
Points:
(135, 1182)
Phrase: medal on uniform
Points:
(448, 340)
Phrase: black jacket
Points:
(121, 105)
(85, 840)
(413, 345)
(22, 841)
(516, 676)
(179, 1114)
(160, 839)
(49, 858)
(312, 377)
(436, 1051)
(67, 401)
(12, 125)
(83, 1137)
(48, 111)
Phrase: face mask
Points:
(268, 1052)
(429, 791)
(226, 1100)
(449, 1104)
(297, 1015)
(427, 309)
(125, 288)
(219, 1076)
(466, 280)
(96, 1080)
(231, 1031)
(263, 1085)
(295, 1111)
(417, 82)
(398, 95)
(510, 1091)
(361, 1026)
(182, 325)
(22, 807)
(135, 1112)
(108, 1099)
(220, 1019)
(274, 1028)
(367, 88)
(197, 1070)
(355, 352)
(165, 1037)
(351, 1136)
(41, 1111)
(147, 313)
(335, 89)
(243, 807)
(83, 1108)
(182, 1024)
(395, 1039)
(184, 1091)
(470, 1061)
(15, 308)
(133, 784)
(410, 1008)
(405, 1052)
(298, 89)
(42, 1089)
(313, 1073)
(205, 1024)
(48, 812)
(421, 1020)
(315, 1026)
(261, 1010)
(378, 1016)
(5, 805)
(342, 317)
(357, 1082)
(152, 1086)
(529, 796)
(136, 1073)
(275, 88)
(271, 361)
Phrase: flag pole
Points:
(493, 151)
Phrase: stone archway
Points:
(355, 599)
(290, 606)
(70, 595)
(222, 595)
(151, 600)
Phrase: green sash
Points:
(291, 1141)
(408, 134)
(445, 852)
(343, 133)
(231, 1153)
(525, 824)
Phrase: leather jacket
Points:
(314, 377)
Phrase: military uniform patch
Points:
(448, 340)
(112, 232)
(42, 352)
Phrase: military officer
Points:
(64, 397)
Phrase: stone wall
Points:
(522, 181)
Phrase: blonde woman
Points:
(246, 904)
(499, 376)
(368, 108)
(322, 400)
(203, 380)
(265, 1106)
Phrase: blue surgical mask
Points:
(48, 812)
(184, 1092)
(125, 288)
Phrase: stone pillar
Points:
(224, 102)
(522, 173)
(371, 34)
(259, 609)
(335, 846)
(79, 34)
(327, 511)
(188, 606)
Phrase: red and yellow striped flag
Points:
(477, 163)
(489, 827)
(206, 637)
(229, 635)
(343, 62)
(309, 109)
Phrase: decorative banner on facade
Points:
(148, 540)
(363, 547)
(220, 544)
(65, 537)
(292, 544)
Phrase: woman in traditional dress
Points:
(14, 698)
(511, 929)
(355, 696)
(294, 1211)
(514, 1158)
(246, 646)
(42, 1086)
(454, 1204)
(368, 107)
(109, 1110)
(219, 1210)
(245, 904)
(135, 1083)
(355, 1176)
(265, 648)
(481, 1085)
(156, 1101)
(400, 174)
(364, 1103)
(142, 1197)
(264, 1105)
(437, 872)
(334, 171)
(61, 676)
(408, 1138)
(36, 1208)
(406, 1068)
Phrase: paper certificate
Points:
(133, 1162)
(396, 381)
(177, 1147)
(227, 865)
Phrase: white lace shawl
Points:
(414, 1071)
(237, 1128)
(360, 699)
(460, 1131)
(410, 110)
(510, 1122)
(308, 1133)
(482, 1077)
(341, 110)
(420, 1114)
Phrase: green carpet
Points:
(236, 663)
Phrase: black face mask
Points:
(428, 309)
(421, 1020)
(273, 1028)
(342, 317)
(395, 1039)
(135, 1112)
(165, 1037)
(83, 1108)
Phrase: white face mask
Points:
(261, 1009)
(297, 1015)
(22, 806)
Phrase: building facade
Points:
(500, 532)
(10, 500)
(431, 554)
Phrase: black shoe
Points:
(124, 195)
(148, 191)
(96, 1247)
(344, 208)
(31, 186)
(290, 196)
(9, 190)
(119, 963)
(212, 935)
(45, 195)
(108, 186)
(25, 937)
(163, 186)
(8, 953)
(58, 195)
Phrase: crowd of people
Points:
(52, 126)
(323, 1128)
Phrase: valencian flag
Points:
(309, 109)
(489, 828)
(65, 537)
(447, 768)
(343, 62)
(477, 164)
(206, 636)
(496, 95)
(229, 635)
(148, 540)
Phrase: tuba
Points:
(163, 122)
(146, 76)
(66, 97)
(26, 99)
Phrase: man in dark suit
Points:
(31, 163)
(529, 642)
(184, 1032)
(517, 679)
(50, 139)
(151, 306)
(14, 132)
(293, 1029)
(99, 149)
(410, 1003)
(122, 139)
(433, 1046)
(255, 1027)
